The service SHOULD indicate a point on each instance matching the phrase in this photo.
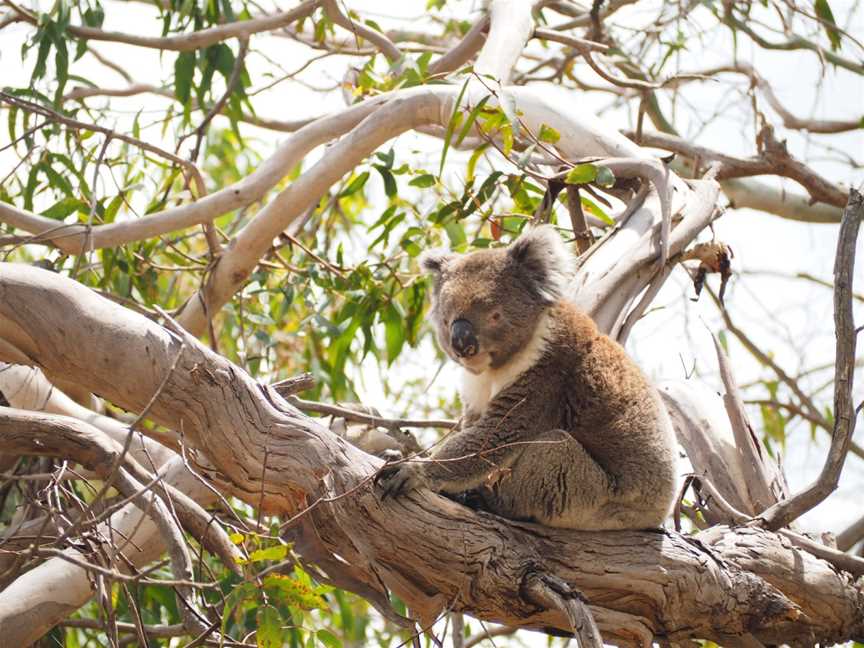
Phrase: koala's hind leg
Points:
(555, 482)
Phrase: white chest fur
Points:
(479, 389)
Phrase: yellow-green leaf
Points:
(269, 633)
(581, 174)
(293, 592)
(548, 134)
(277, 552)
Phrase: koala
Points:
(560, 427)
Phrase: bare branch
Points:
(746, 193)
(387, 47)
(41, 434)
(510, 27)
(815, 414)
(549, 591)
(761, 475)
(825, 126)
(489, 634)
(360, 417)
(774, 160)
(464, 50)
(795, 43)
(851, 535)
(786, 511)
(240, 194)
(191, 41)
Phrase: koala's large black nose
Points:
(463, 339)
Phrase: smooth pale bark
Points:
(27, 388)
(582, 135)
(75, 238)
(433, 553)
(749, 193)
(511, 25)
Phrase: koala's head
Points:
(487, 304)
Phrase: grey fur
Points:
(573, 435)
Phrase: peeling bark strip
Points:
(723, 584)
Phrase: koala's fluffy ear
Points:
(543, 261)
(434, 261)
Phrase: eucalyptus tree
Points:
(209, 209)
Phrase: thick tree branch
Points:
(38, 434)
(746, 193)
(640, 585)
(511, 25)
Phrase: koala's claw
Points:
(398, 479)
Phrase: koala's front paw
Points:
(397, 479)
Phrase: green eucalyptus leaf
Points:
(355, 185)
(423, 181)
(605, 177)
(276, 552)
(548, 134)
(62, 208)
(581, 174)
(269, 622)
(184, 69)
(451, 126)
(823, 10)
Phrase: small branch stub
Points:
(551, 592)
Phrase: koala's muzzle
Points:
(462, 338)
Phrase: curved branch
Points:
(27, 388)
(582, 134)
(746, 193)
(774, 160)
(38, 434)
(796, 43)
(510, 27)
(786, 511)
(239, 194)
(822, 126)
(462, 52)
(387, 47)
(191, 41)
(722, 584)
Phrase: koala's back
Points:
(621, 472)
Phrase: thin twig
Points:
(369, 419)
(29, 106)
